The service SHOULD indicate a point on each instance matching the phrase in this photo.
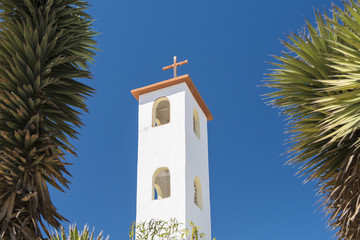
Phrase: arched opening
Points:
(161, 111)
(161, 184)
(196, 123)
(198, 193)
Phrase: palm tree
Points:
(45, 45)
(317, 86)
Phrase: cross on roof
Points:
(175, 65)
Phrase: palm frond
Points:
(75, 234)
(45, 45)
(318, 89)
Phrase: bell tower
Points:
(173, 171)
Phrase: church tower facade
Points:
(173, 171)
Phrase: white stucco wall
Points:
(173, 145)
(197, 165)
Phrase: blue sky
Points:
(228, 44)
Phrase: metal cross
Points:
(175, 65)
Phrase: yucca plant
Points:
(45, 46)
(75, 234)
(318, 89)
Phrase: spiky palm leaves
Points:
(74, 234)
(44, 46)
(318, 84)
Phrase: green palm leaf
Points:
(75, 234)
(45, 45)
(318, 88)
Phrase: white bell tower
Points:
(173, 172)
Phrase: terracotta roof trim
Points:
(173, 81)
